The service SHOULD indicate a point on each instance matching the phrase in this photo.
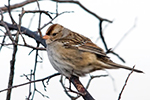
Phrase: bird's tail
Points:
(124, 67)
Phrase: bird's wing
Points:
(82, 43)
(91, 47)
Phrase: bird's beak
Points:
(46, 37)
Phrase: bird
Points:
(71, 53)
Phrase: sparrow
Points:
(71, 53)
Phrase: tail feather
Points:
(124, 67)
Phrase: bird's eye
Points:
(54, 34)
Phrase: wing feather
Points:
(82, 43)
(91, 47)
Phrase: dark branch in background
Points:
(18, 5)
(12, 62)
(27, 32)
(39, 80)
(39, 11)
(83, 7)
(101, 35)
(23, 45)
(110, 51)
(12, 67)
(9, 11)
(125, 84)
(3, 41)
(36, 58)
(93, 77)
(50, 22)
(29, 85)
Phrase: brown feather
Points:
(50, 29)
(124, 67)
(72, 53)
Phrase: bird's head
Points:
(55, 32)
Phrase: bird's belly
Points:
(71, 62)
(59, 63)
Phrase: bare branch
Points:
(93, 77)
(2, 23)
(110, 51)
(125, 83)
(9, 11)
(70, 96)
(83, 7)
(3, 41)
(39, 11)
(134, 25)
(101, 35)
(55, 18)
(25, 31)
(12, 62)
(15, 86)
(18, 5)
(25, 45)
(85, 94)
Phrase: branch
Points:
(15, 86)
(101, 35)
(110, 51)
(125, 83)
(83, 7)
(71, 97)
(81, 89)
(18, 5)
(92, 77)
(25, 45)
(25, 31)
(39, 11)
(124, 36)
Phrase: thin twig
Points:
(34, 70)
(25, 31)
(93, 77)
(70, 96)
(124, 36)
(9, 11)
(101, 35)
(13, 60)
(120, 94)
(83, 7)
(25, 45)
(110, 51)
(30, 87)
(18, 5)
(39, 11)
(41, 94)
(3, 41)
(15, 86)
(7, 31)
(55, 18)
